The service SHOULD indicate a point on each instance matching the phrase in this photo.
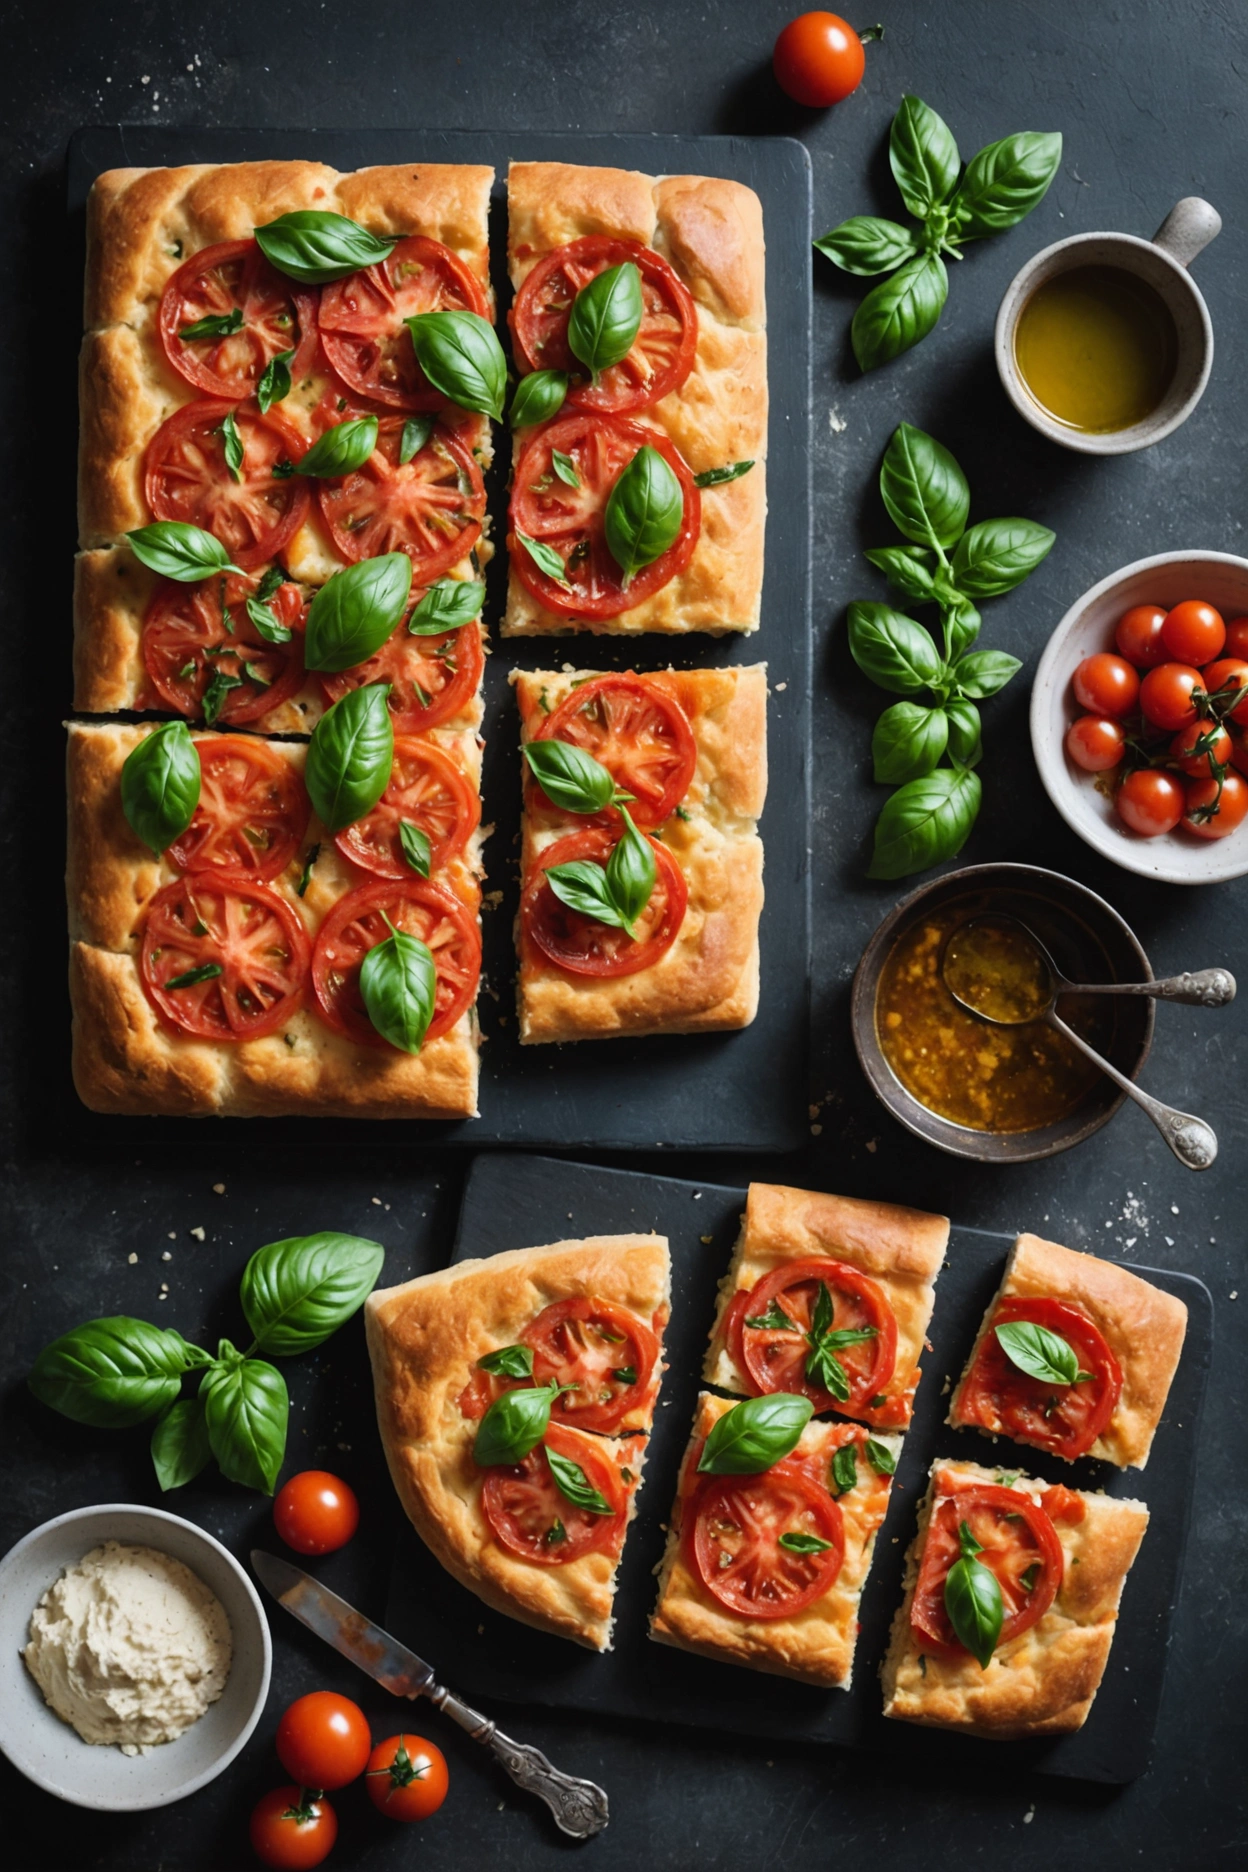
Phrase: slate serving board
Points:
(741, 1091)
(513, 1201)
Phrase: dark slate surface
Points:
(1151, 102)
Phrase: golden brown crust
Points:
(1144, 1327)
(424, 1339)
(1043, 1682)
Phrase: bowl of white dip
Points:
(134, 1657)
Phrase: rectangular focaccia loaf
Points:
(710, 230)
(708, 979)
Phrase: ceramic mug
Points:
(1161, 263)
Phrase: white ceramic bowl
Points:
(1221, 579)
(52, 1754)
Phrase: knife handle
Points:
(579, 1807)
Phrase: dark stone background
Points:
(1150, 100)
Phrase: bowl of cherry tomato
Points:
(1139, 717)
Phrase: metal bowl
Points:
(1087, 939)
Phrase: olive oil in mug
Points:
(1097, 348)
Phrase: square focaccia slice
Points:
(877, 1264)
(729, 1586)
(1124, 1336)
(279, 914)
(169, 249)
(691, 745)
(448, 1347)
(693, 386)
(1061, 1557)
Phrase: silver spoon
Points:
(1032, 997)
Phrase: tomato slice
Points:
(431, 678)
(229, 277)
(193, 634)
(580, 943)
(249, 934)
(430, 507)
(526, 1508)
(358, 923)
(593, 1345)
(428, 789)
(639, 733)
(569, 520)
(663, 351)
(252, 812)
(774, 1358)
(733, 1530)
(186, 477)
(361, 319)
(1005, 1401)
(1016, 1535)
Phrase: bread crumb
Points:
(816, 1130)
(198, 1233)
(132, 1258)
(1030, 1815)
(165, 1255)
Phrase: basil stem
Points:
(417, 851)
(215, 325)
(177, 550)
(350, 756)
(460, 354)
(509, 1361)
(1040, 1353)
(606, 317)
(973, 1600)
(416, 433)
(296, 1292)
(160, 785)
(314, 246)
(355, 611)
(539, 396)
(571, 778)
(446, 606)
(644, 513)
(515, 1423)
(717, 477)
(274, 384)
(572, 1482)
(399, 984)
(755, 1434)
(341, 450)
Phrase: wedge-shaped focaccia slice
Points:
(1061, 1558)
(590, 1314)
(1124, 1336)
(875, 1262)
(730, 1588)
(691, 747)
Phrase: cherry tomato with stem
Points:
(819, 59)
(1095, 743)
(315, 1512)
(1138, 636)
(323, 1740)
(1199, 747)
(1193, 632)
(406, 1777)
(1214, 808)
(292, 1830)
(1106, 685)
(1166, 695)
(1150, 801)
(1221, 679)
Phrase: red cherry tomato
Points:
(1150, 802)
(1095, 743)
(315, 1512)
(1166, 695)
(1210, 816)
(1237, 637)
(1222, 678)
(1138, 636)
(1239, 752)
(1198, 745)
(818, 59)
(323, 1740)
(292, 1830)
(1193, 632)
(1106, 685)
(406, 1777)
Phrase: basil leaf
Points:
(606, 318)
(296, 1292)
(177, 550)
(565, 468)
(460, 354)
(180, 1446)
(416, 432)
(569, 777)
(1006, 181)
(207, 971)
(910, 568)
(113, 1372)
(925, 822)
(314, 852)
(865, 245)
(997, 555)
(644, 513)
(900, 311)
(962, 622)
(215, 325)
(716, 477)
(804, 1543)
(350, 756)
(445, 606)
(880, 1457)
(965, 743)
(775, 1319)
(515, 1423)
(893, 650)
(973, 1602)
(510, 1361)
(398, 983)
(909, 740)
(341, 450)
(582, 886)
(922, 156)
(539, 396)
(824, 1369)
(923, 488)
(216, 694)
(246, 1410)
(1038, 1352)
(274, 384)
(545, 558)
(627, 1374)
(356, 610)
(232, 445)
(555, 1533)
(314, 246)
(267, 622)
(270, 584)
(755, 1434)
(845, 1468)
(417, 851)
(631, 873)
(822, 1314)
(1028, 1577)
(572, 1481)
(983, 672)
(160, 784)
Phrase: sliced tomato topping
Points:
(580, 943)
(530, 1515)
(186, 477)
(604, 1350)
(233, 281)
(773, 1357)
(431, 678)
(734, 1527)
(569, 520)
(1005, 1401)
(199, 645)
(640, 734)
(1064, 1504)
(1020, 1546)
(429, 507)
(361, 319)
(429, 790)
(242, 946)
(663, 350)
(358, 923)
(252, 811)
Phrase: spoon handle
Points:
(1193, 1142)
(1210, 988)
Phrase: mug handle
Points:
(1188, 228)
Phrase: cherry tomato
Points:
(1150, 802)
(315, 1512)
(818, 59)
(1237, 637)
(1138, 635)
(1005, 1401)
(406, 1777)
(1106, 685)
(1239, 752)
(1095, 743)
(1017, 1542)
(292, 1830)
(1195, 747)
(1227, 812)
(1193, 632)
(1166, 694)
(323, 1740)
(1224, 676)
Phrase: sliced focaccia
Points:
(1075, 1355)
(828, 1296)
(449, 1349)
(1060, 1558)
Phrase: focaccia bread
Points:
(710, 232)
(426, 1339)
(1133, 1349)
(1041, 1681)
(899, 1252)
(815, 1642)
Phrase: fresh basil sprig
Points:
(823, 1368)
(1040, 1353)
(716, 477)
(341, 450)
(755, 1434)
(573, 1483)
(509, 1361)
(355, 611)
(177, 550)
(606, 317)
(460, 354)
(539, 396)
(274, 384)
(446, 606)
(314, 246)
(160, 785)
(973, 1600)
(350, 756)
(515, 1423)
(398, 984)
(1001, 184)
(644, 513)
